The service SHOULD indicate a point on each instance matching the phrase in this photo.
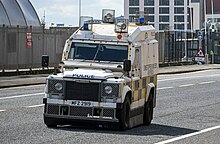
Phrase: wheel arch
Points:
(151, 93)
(126, 92)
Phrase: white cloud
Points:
(67, 11)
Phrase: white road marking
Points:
(34, 106)
(164, 88)
(206, 82)
(2, 110)
(189, 77)
(20, 87)
(189, 135)
(20, 96)
(186, 85)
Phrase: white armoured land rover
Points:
(109, 76)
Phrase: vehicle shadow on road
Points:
(153, 129)
(157, 129)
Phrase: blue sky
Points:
(67, 11)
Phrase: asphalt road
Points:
(187, 112)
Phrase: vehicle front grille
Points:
(53, 109)
(82, 91)
(108, 112)
(81, 111)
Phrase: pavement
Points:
(25, 80)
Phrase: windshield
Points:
(100, 52)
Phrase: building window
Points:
(133, 10)
(189, 26)
(179, 10)
(150, 18)
(179, 26)
(132, 19)
(133, 2)
(163, 18)
(179, 2)
(149, 10)
(149, 2)
(164, 27)
(179, 18)
(214, 19)
(164, 10)
(164, 2)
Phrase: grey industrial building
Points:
(23, 40)
(20, 13)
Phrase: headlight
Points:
(108, 89)
(55, 86)
(58, 86)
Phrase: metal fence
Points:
(15, 54)
(176, 46)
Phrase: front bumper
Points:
(61, 113)
(63, 120)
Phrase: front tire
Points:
(148, 111)
(125, 115)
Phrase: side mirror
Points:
(45, 61)
(127, 65)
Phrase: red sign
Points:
(200, 57)
(29, 40)
(200, 53)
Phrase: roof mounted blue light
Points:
(141, 20)
(86, 26)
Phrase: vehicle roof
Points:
(106, 31)
(109, 29)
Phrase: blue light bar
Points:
(141, 20)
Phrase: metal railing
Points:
(174, 46)
(177, 46)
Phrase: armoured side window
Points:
(136, 64)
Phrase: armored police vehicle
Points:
(108, 76)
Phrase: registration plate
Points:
(81, 103)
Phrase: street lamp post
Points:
(212, 30)
(212, 11)
(80, 10)
(206, 38)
